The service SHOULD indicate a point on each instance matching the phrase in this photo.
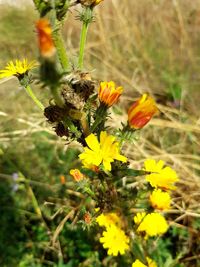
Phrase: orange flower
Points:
(87, 218)
(91, 3)
(77, 175)
(109, 93)
(140, 113)
(46, 44)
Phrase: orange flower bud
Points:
(62, 179)
(87, 217)
(91, 3)
(46, 44)
(109, 93)
(77, 175)
(140, 113)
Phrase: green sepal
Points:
(120, 173)
(138, 250)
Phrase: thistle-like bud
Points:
(109, 93)
(140, 113)
(45, 40)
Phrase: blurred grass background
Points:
(145, 46)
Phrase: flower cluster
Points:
(114, 238)
(153, 224)
(78, 111)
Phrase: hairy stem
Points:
(34, 98)
(57, 96)
(83, 38)
(61, 50)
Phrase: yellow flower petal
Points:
(92, 142)
(18, 68)
(105, 151)
(160, 177)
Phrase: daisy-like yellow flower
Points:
(17, 68)
(105, 151)
(152, 224)
(108, 219)
(139, 217)
(162, 177)
(109, 93)
(115, 240)
(150, 262)
(160, 200)
(141, 111)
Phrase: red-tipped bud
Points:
(140, 113)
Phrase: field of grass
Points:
(145, 46)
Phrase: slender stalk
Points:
(85, 126)
(83, 38)
(61, 50)
(58, 39)
(34, 98)
(57, 96)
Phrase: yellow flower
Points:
(138, 263)
(77, 175)
(160, 200)
(115, 240)
(163, 177)
(139, 217)
(108, 219)
(17, 68)
(152, 224)
(140, 113)
(109, 93)
(105, 151)
(150, 262)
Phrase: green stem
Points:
(57, 97)
(34, 98)
(101, 114)
(67, 122)
(61, 50)
(82, 43)
(58, 39)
